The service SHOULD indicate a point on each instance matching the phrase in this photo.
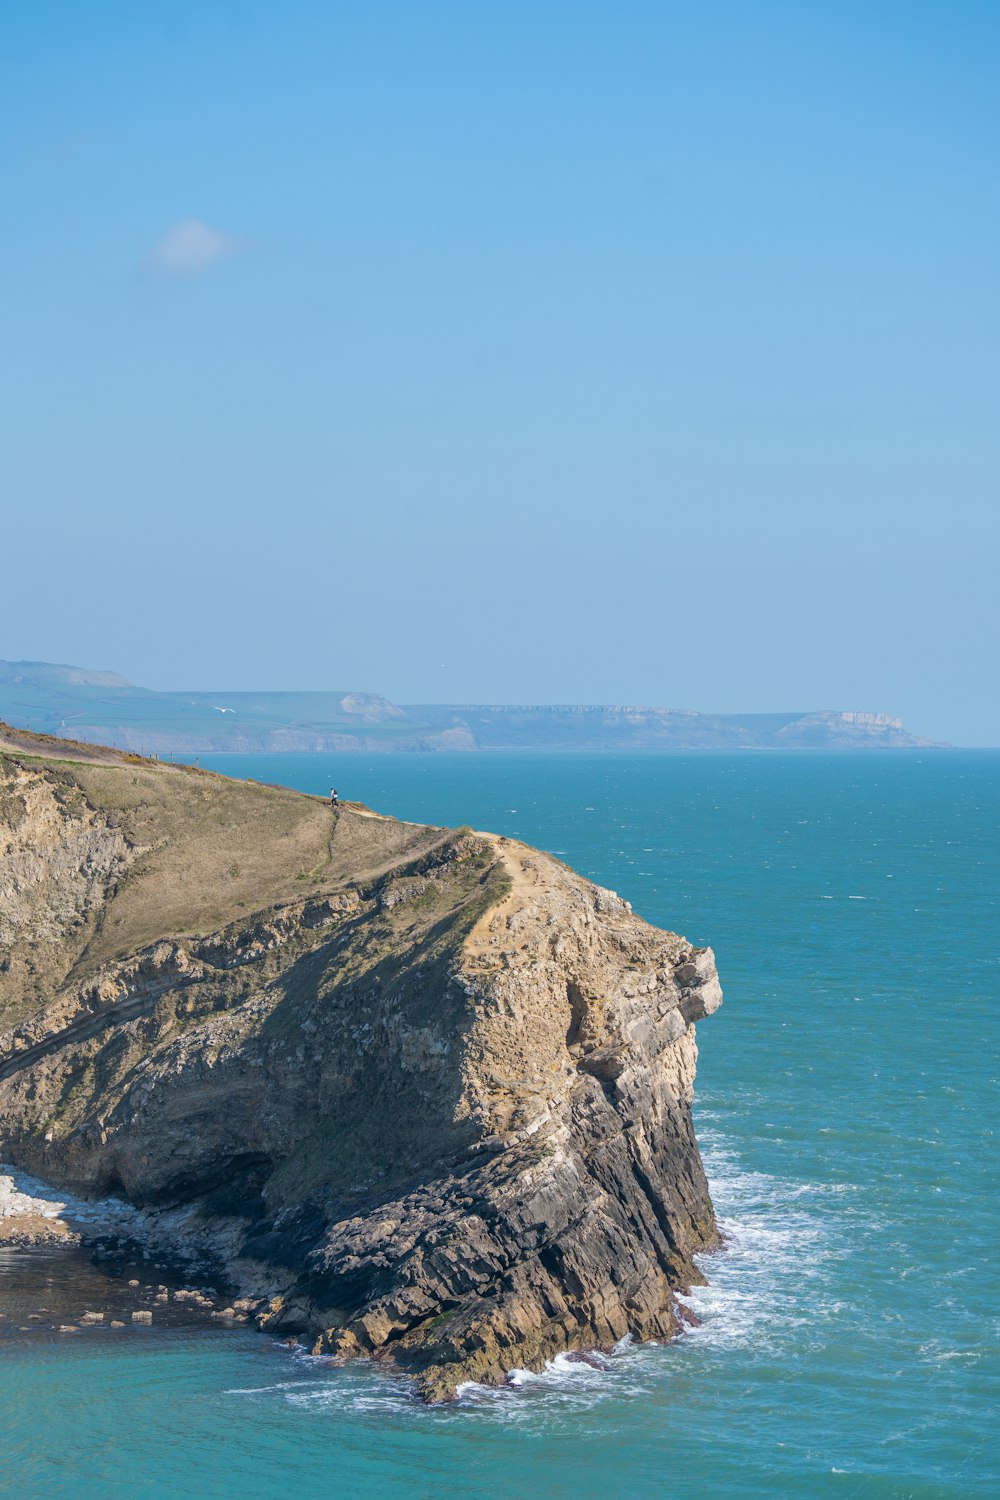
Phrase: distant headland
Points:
(410, 1093)
(104, 708)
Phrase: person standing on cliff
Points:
(334, 799)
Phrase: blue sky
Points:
(526, 352)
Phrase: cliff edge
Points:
(430, 1089)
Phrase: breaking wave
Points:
(781, 1242)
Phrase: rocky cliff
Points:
(432, 1089)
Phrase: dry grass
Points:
(213, 849)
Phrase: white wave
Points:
(259, 1390)
(359, 1388)
(563, 1367)
(935, 1353)
(566, 1379)
(772, 1276)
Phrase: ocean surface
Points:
(847, 1108)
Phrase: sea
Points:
(847, 1109)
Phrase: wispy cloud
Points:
(190, 248)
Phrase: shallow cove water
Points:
(847, 1110)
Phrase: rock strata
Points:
(423, 1094)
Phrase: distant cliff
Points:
(621, 727)
(426, 1092)
(102, 708)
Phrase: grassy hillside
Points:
(105, 852)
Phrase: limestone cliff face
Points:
(441, 1085)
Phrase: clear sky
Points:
(511, 352)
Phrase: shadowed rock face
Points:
(436, 1087)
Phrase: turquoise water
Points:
(847, 1109)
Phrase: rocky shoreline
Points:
(118, 1239)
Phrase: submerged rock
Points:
(422, 1094)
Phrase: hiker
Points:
(334, 799)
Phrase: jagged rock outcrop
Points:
(440, 1085)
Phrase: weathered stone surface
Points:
(26, 1221)
(435, 1108)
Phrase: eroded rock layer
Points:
(433, 1088)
